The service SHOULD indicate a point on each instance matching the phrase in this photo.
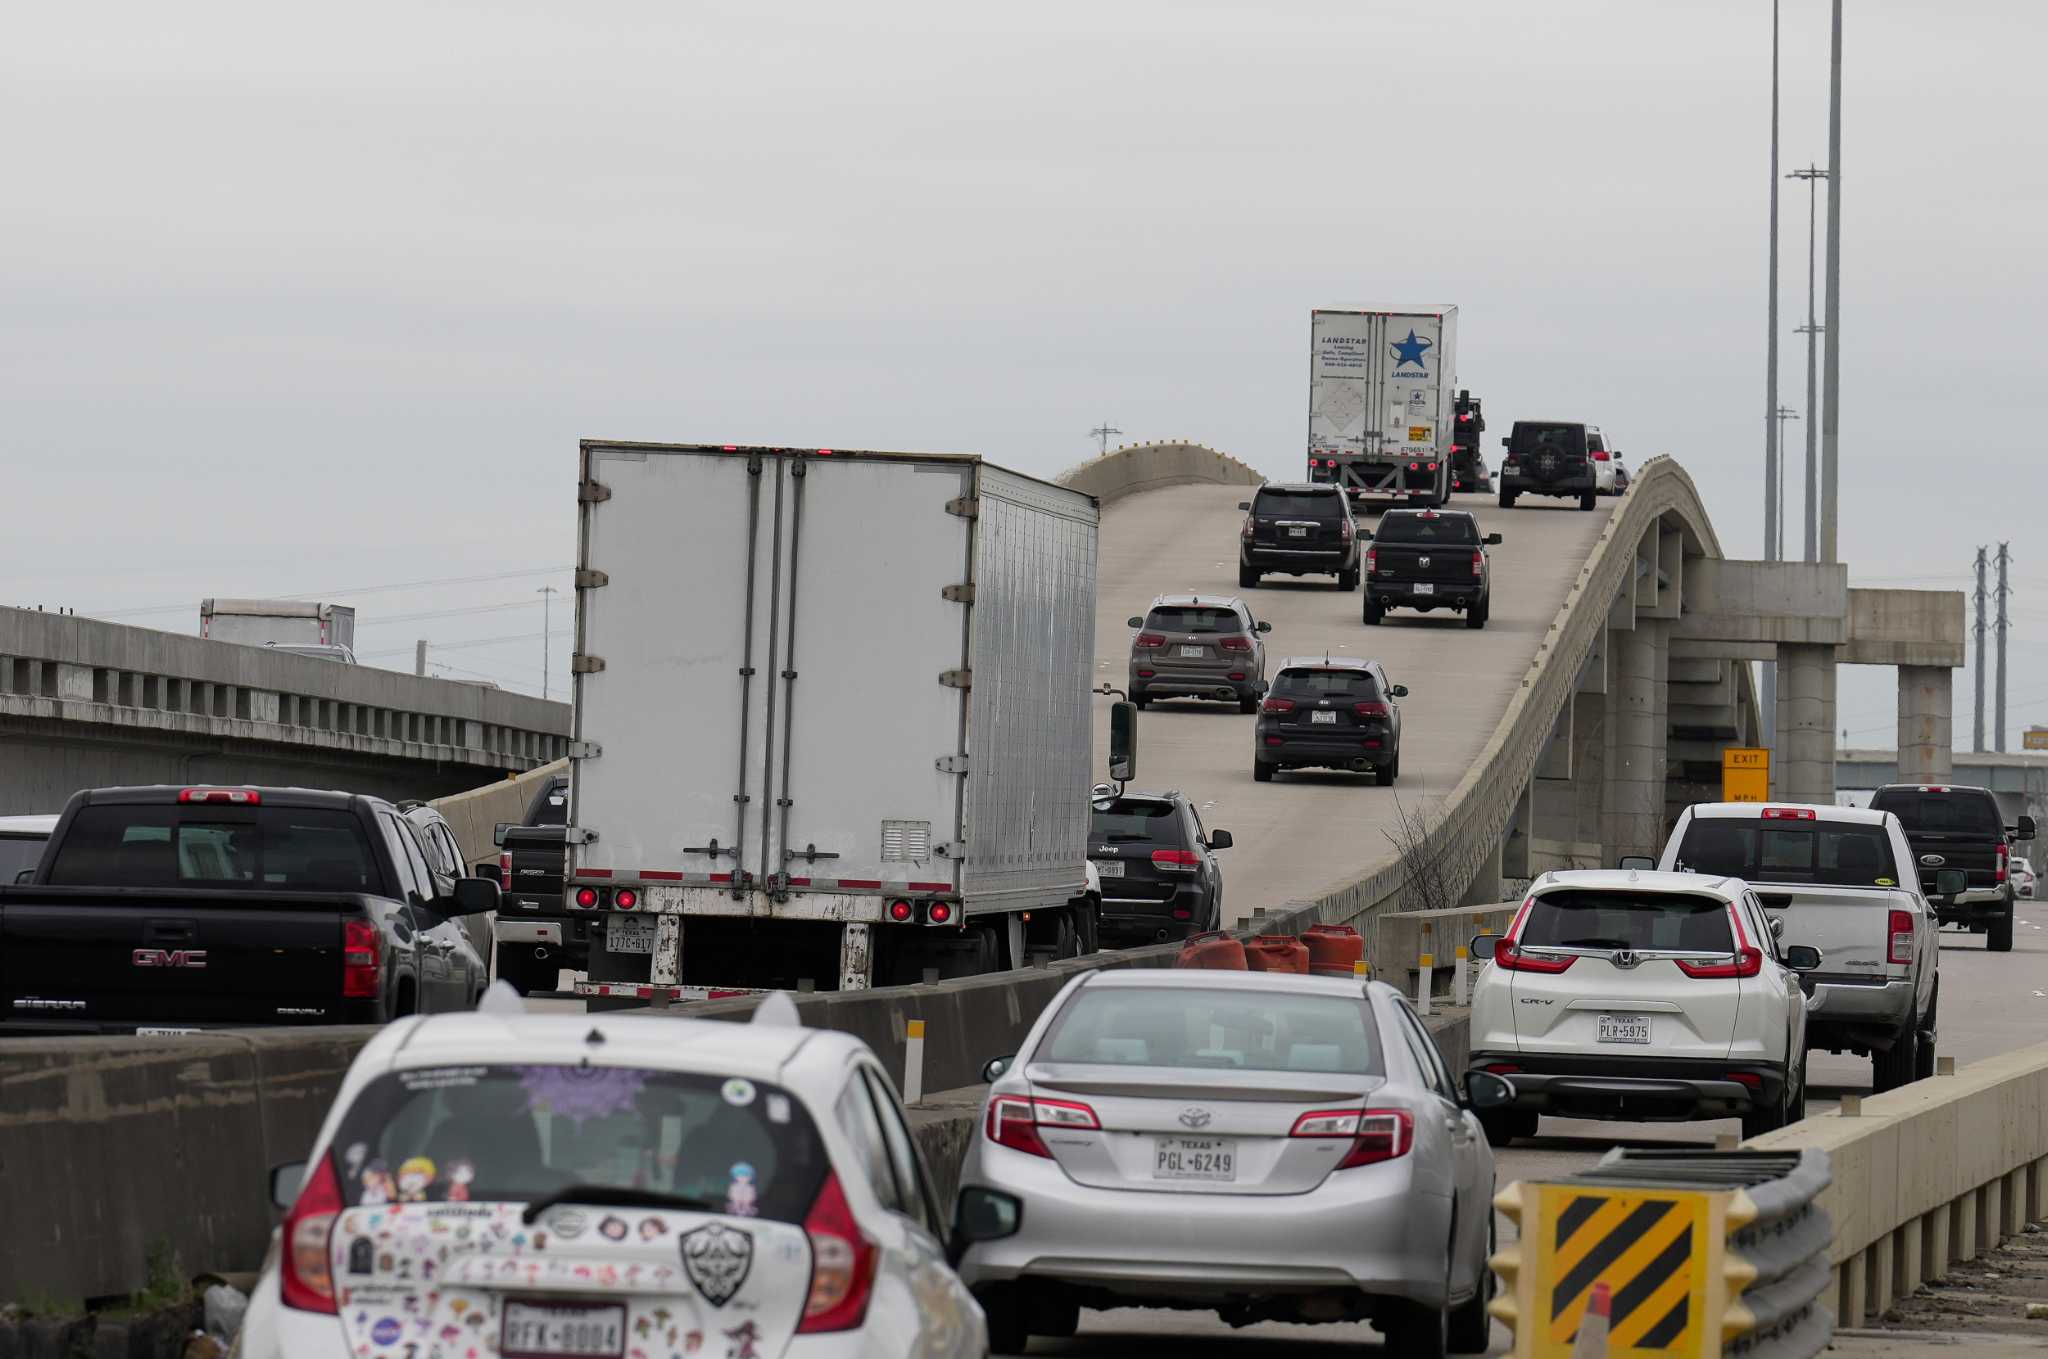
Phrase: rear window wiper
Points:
(614, 1196)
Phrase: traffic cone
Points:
(1592, 1341)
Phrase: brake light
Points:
(1478, 564)
(586, 897)
(1748, 960)
(1748, 1078)
(1598, 456)
(1370, 709)
(1415, 467)
(1509, 956)
(1176, 860)
(938, 913)
(361, 948)
(1503, 1069)
(1788, 814)
(1277, 705)
(306, 1272)
(842, 1264)
(1429, 467)
(2004, 862)
(1344, 531)
(1150, 640)
(1014, 1121)
(1315, 462)
(1246, 531)
(240, 797)
(505, 869)
(1372, 560)
(1235, 643)
(1902, 937)
(900, 911)
(625, 899)
(1376, 1134)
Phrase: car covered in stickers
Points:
(625, 1186)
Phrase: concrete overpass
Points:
(84, 703)
(2019, 778)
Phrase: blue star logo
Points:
(1411, 350)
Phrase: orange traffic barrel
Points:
(1212, 950)
(1276, 953)
(1333, 950)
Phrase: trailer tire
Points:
(1507, 498)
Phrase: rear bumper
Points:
(1126, 917)
(1975, 906)
(60, 1026)
(1633, 1089)
(1326, 753)
(1403, 594)
(1572, 484)
(1856, 1001)
(1167, 679)
(1299, 560)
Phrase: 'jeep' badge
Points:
(717, 1258)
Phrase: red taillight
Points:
(1344, 531)
(1315, 462)
(1504, 1068)
(241, 797)
(586, 897)
(505, 869)
(2004, 862)
(1372, 560)
(1376, 1134)
(1748, 1078)
(1511, 957)
(1478, 564)
(1598, 456)
(1150, 640)
(625, 899)
(1370, 709)
(1246, 531)
(306, 1269)
(842, 1264)
(1748, 963)
(1176, 860)
(1415, 467)
(900, 911)
(939, 913)
(1014, 1121)
(1235, 643)
(1902, 937)
(1429, 467)
(360, 950)
(1788, 814)
(1277, 705)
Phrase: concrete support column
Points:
(1803, 754)
(1926, 724)
(1521, 828)
(1484, 889)
(1637, 739)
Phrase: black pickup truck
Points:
(1429, 559)
(537, 934)
(1952, 827)
(170, 910)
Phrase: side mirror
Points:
(1504, 441)
(1365, 535)
(1265, 627)
(2025, 829)
(1951, 882)
(1483, 946)
(1134, 622)
(1123, 741)
(1484, 1090)
(1245, 505)
(1802, 957)
(1399, 691)
(1638, 861)
(284, 1183)
(472, 896)
(993, 1070)
(1220, 840)
(985, 1215)
(1493, 540)
(1777, 927)
(498, 835)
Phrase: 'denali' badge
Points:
(717, 1258)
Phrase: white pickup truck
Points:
(1845, 881)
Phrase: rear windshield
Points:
(1300, 505)
(1448, 529)
(1131, 818)
(1535, 438)
(1193, 618)
(1188, 1026)
(1356, 684)
(1974, 814)
(511, 1134)
(552, 808)
(309, 849)
(1631, 920)
(18, 852)
(1831, 853)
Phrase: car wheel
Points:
(1247, 579)
(1348, 580)
(1417, 1331)
(1471, 1326)
(1475, 617)
(1757, 1122)
(1503, 1126)
(1142, 700)
(1507, 498)
(1374, 611)
(1890, 1070)
(1261, 772)
(1586, 500)
(1006, 1330)
(1998, 938)
(1923, 1060)
(1248, 703)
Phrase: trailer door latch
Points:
(951, 764)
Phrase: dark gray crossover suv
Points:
(1298, 529)
(1157, 864)
(1199, 646)
(1330, 712)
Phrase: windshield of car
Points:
(1133, 818)
(1191, 1026)
(511, 1134)
(1531, 439)
(311, 849)
(1449, 530)
(1358, 684)
(1832, 853)
(1973, 814)
(1299, 505)
(1193, 618)
(1618, 919)
(18, 852)
(553, 810)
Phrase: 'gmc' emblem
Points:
(176, 957)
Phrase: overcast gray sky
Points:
(314, 298)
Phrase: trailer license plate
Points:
(1424, 589)
(1324, 718)
(554, 1330)
(1194, 1158)
(1297, 533)
(1194, 651)
(161, 1032)
(629, 934)
(1624, 1028)
(1109, 868)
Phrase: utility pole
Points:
(1831, 380)
(1977, 631)
(419, 657)
(1998, 712)
(1773, 516)
(1812, 174)
(1784, 413)
(1101, 435)
(547, 595)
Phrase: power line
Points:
(461, 646)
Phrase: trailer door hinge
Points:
(959, 594)
(592, 491)
(585, 750)
(588, 578)
(966, 506)
(580, 664)
(578, 835)
(957, 679)
(951, 764)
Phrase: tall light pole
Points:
(547, 595)
(1831, 380)
(1812, 174)
(1771, 511)
(2003, 625)
(1784, 413)
(1977, 633)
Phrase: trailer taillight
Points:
(626, 899)
(901, 911)
(587, 897)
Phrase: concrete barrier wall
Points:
(1147, 467)
(1929, 1175)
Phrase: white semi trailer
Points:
(1382, 385)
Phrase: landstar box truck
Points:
(832, 718)
(1381, 389)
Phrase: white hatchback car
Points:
(561, 1187)
(1641, 996)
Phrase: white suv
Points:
(1641, 996)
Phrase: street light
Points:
(1783, 414)
(1812, 174)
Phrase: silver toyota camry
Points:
(1267, 1146)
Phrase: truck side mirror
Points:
(1245, 505)
(1493, 540)
(1638, 861)
(1123, 741)
(1802, 957)
(1134, 622)
(1504, 441)
(285, 1181)
(498, 835)
(1265, 627)
(2025, 829)
(472, 896)
(1951, 882)
(1482, 947)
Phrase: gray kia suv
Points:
(1298, 529)
(1199, 646)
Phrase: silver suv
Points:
(1199, 646)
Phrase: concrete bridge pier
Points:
(1805, 737)
(1926, 723)
(1637, 739)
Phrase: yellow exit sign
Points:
(1745, 774)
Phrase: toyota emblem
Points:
(1194, 1118)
